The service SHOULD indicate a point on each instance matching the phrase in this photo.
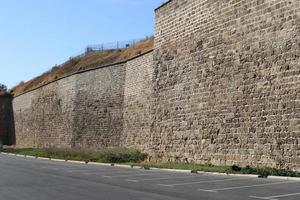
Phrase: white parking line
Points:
(246, 186)
(92, 173)
(191, 183)
(153, 179)
(95, 171)
(127, 175)
(129, 180)
(274, 197)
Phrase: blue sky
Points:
(37, 34)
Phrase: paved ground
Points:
(32, 179)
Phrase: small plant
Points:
(264, 174)
(236, 168)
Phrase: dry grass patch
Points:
(89, 61)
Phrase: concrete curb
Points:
(172, 170)
(42, 158)
(100, 164)
(225, 174)
(76, 162)
(58, 160)
(29, 157)
(284, 178)
(123, 166)
(153, 168)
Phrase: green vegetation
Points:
(136, 158)
(262, 172)
(115, 155)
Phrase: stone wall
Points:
(45, 117)
(6, 120)
(99, 107)
(138, 92)
(85, 110)
(227, 87)
(222, 87)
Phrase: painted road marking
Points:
(246, 186)
(153, 179)
(191, 183)
(275, 197)
(95, 172)
(106, 176)
(99, 169)
(135, 181)
(127, 175)
(112, 172)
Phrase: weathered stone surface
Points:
(222, 87)
(85, 110)
(99, 107)
(45, 117)
(138, 95)
(227, 82)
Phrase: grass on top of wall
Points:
(98, 58)
(114, 155)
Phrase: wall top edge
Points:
(162, 5)
(83, 71)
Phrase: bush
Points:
(236, 168)
(114, 155)
(122, 155)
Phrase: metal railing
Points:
(110, 46)
(104, 47)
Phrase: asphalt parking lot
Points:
(33, 179)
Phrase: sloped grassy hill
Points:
(87, 62)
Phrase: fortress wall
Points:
(86, 110)
(227, 87)
(45, 117)
(224, 89)
(99, 107)
(6, 120)
(138, 95)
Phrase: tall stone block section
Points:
(99, 107)
(138, 95)
(45, 117)
(227, 82)
(86, 109)
(6, 120)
